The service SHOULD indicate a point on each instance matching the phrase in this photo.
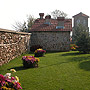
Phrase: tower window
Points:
(78, 21)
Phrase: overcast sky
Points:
(12, 11)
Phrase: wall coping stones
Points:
(11, 31)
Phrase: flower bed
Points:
(39, 52)
(73, 47)
(9, 83)
(30, 61)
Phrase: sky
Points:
(12, 11)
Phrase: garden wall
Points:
(13, 44)
(52, 41)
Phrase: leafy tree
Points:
(25, 26)
(82, 39)
(58, 13)
(78, 31)
(83, 43)
(30, 22)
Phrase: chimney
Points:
(41, 15)
(60, 22)
(47, 19)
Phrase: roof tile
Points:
(40, 26)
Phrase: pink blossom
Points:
(8, 80)
(17, 85)
(12, 78)
(2, 79)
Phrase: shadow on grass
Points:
(85, 65)
(18, 68)
(78, 59)
(21, 68)
(72, 53)
(30, 52)
(53, 51)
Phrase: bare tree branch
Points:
(25, 26)
(58, 13)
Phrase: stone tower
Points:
(82, 19)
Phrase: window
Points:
(59, 27)
(78, 21)
(84, 22)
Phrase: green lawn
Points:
(56, 71)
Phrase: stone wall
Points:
(13, 44)
(52, 41)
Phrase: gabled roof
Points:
(81, 14)
(39, 25)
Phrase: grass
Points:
(56, 71)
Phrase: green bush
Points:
(81, 38)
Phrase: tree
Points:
(30, 22)
(21, 27)
(79, 30)
(25, 26)
(82, 39)
(83, 43)
(58, 13)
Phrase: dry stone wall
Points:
(12, 44)
(52, 41)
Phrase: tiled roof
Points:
(82, 14)
(39, 25)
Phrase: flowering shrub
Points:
(73, 47)
(9, 83)
(39, 52)
(30, 61)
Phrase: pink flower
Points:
(8, 80)
(2, 78)
(17, 85)
(24, 57)
(12, 78)
(31, 56)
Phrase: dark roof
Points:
(81, 14)
(39, 25)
